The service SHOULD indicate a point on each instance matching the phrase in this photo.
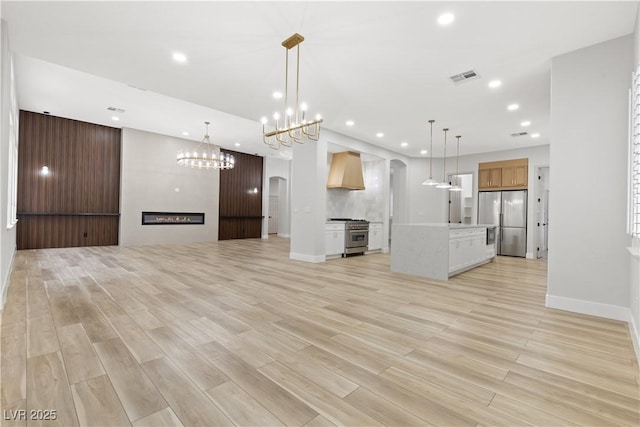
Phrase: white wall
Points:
(7, 235)
(430, 204)
(159, 184)
(588, 260)
(634, 273)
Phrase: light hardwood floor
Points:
(235, 333)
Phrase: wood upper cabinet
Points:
(489, 178)
(508, 174)
(514, 176)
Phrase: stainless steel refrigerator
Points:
(507, 210)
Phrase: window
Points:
(12, 169)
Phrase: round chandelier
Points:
(205, 156)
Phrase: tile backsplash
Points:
(360, 204)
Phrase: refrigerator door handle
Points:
(500, 220)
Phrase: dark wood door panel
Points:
(240, 214)
(84, 177)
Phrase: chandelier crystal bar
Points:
(294, 127)
(205, 157)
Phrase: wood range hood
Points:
(346, 171)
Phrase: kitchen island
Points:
(439, 251)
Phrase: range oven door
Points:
(356, 241)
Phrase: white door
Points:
(273, 214)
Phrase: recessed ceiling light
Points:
(446, 18)
(512, 107)
(423, 151)
(237, 144)
(379, 134)
(535, 135)
(185, 133)
(350, 123)
(115, 119)
(495, 83)
(404, 144)
(179, 57)
(277, 95)
(525, 123)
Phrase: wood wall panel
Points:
(241, 207)
(84, 164)
(63, 231)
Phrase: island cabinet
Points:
(439, 251)
(468, 248)
(507, 174)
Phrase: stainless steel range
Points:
(356, 236)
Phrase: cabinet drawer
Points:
(334, 227)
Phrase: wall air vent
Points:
(463, 77)
(519, 134)
(117, 110)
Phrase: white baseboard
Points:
(608, 311)
(385, 250)
(5, 281)
(307, 258)
(530, 255)
(284, 235)
(635, 336)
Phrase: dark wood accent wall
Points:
(241, 208)
(78, 202)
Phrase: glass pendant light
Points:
(457, 186)
(444, 183)
(430, 181)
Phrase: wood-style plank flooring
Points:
(235, 333)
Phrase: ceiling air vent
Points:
(519, 134)
(463, 77)
(117, 110)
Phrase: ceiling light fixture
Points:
(535, 135)
(512, 107)
(205, 157)
(495, 83)
(457, 186)
(296, 128)
(277, 95)
(446, 18)
(423, 152)
(350, 123)
(379, 134)
(525, 123)
(430, 181)
(444, 184)
(185, 133)
(404, 144)
(179, 57)
(115, 119)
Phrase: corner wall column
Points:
(308, 201)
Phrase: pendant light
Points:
(444, 183)
(430, 181)
(457, 186)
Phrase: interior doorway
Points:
(278, 222)
(542, 211)
(461, 202)
(397, 195)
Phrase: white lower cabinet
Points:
(334, 239)
(467, 248)
(375, 236)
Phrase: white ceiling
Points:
(384, 65)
